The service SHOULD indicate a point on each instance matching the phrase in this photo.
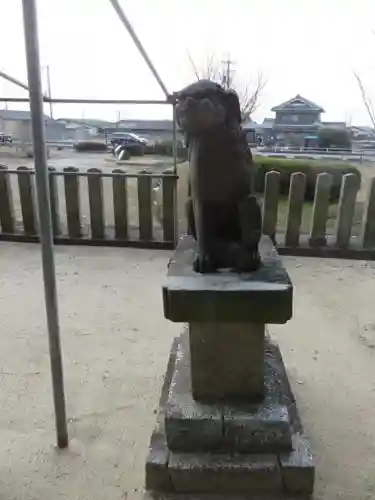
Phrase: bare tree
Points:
(249, 94)
(367, 101)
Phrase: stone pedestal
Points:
(227, 361)
(228, 422)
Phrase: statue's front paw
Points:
(248, 260)
(204, 264)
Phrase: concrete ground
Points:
(116, 343)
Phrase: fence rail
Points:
(85, 212)
(117, 209)
(346, 236)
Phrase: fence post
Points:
(270, 203)
(168, 208)
(54, 201)
(6, 202)
(320, 210)
(368, 222)
(348, 195)
(295, 206)
(95, 187)
(144, 206)
(26, 190)
(120, 204)
(72, 203)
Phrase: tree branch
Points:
(250, 99)
(249, 96)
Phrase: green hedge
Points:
(311, 169)
(165, 148)
(90, 146)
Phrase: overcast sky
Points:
(304, 47)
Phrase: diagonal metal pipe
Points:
(125, 21)
(11, 79)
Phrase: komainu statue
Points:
(223, 214)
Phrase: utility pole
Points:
(227, 78)
(49, 91)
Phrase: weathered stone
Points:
(227, 361)
(264, 430)
(275, 363)
(245, 427)
(264, 296)
(223, 216)
(157, 475)
(216, 473)
(264, 427)
(189, 424)
(227, 473)
(265, 495)
(298, 471)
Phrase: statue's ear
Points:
(233, 106)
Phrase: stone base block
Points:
(297, 467)
(155, 495)
(270, 475)
(156, 475)
(255, 428)
(213, 473)
(264, 296)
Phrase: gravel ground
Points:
(116, 344)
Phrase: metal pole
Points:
(13, 80)
(174, 138)
(41, 175)
(49, 91)
(88, 101)
(175, 201)
(138, 44)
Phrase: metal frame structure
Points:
(36, 99)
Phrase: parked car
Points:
(134, 144)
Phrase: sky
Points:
(300, 46)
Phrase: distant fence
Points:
(342, 151)
(119, 211)
(108, 210)
(345, 239)
(358, 155)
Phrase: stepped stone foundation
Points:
(228, 424)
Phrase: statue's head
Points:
(204, 105)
